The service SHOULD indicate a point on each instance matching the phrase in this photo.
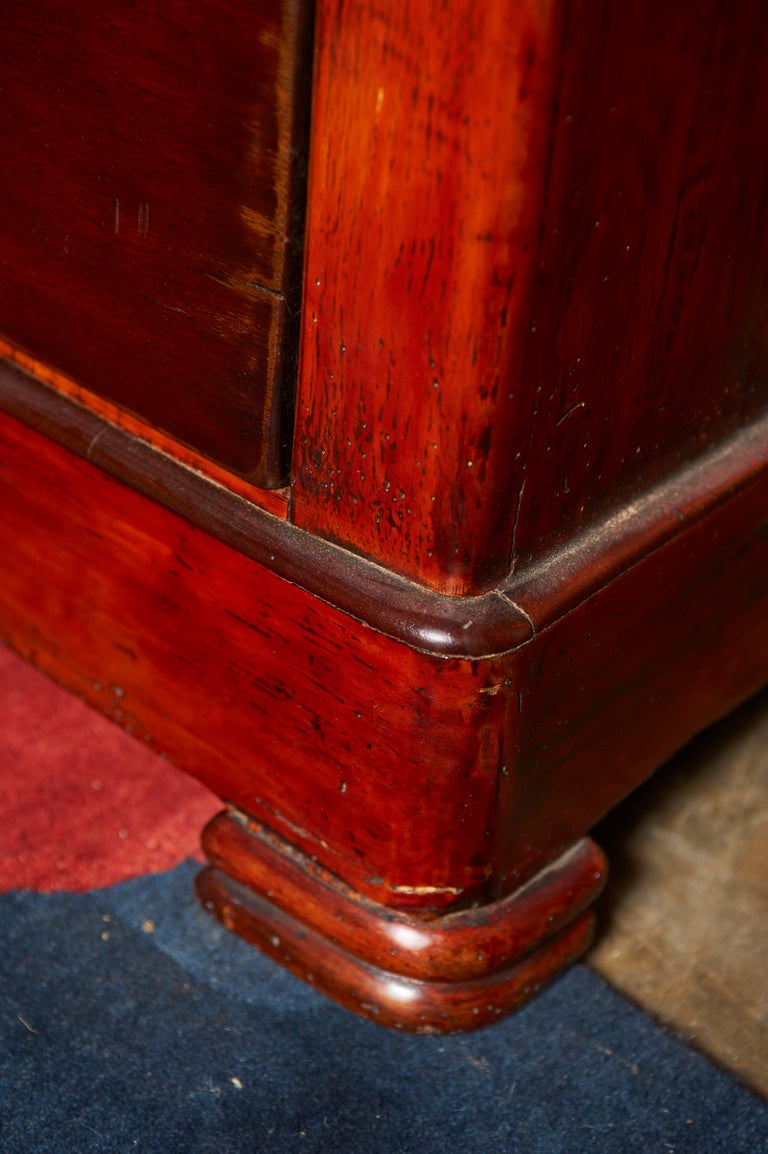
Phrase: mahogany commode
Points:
(516, 554)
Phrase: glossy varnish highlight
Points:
(422, 218)
(536, 269)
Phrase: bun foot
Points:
(423, 973)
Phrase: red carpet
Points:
(83, 804)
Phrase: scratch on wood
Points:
(92, 446)
(569, 412)
(519, 609)
(426, 889)
(513, 553)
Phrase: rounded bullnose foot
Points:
(424, 974)
(401, 1003)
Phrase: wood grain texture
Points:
(629, 675)
(647, 339)
(423, 781)
(467, 254)
(431, 130)
(355, 747)
(467, 945)
(423, 1005)
(73, 416)
(392, 605)
(150, 211)
(536, 270)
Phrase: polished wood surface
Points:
(41, 395)
(389, 1000)
(507, 588)
(522, 312)
(218, 661)
(638, 666)
(648, 334)
(427, 976)
(389, 604)
(421, 219)
(412, 781)
(150, 211)
(470, 944)
(423, 780)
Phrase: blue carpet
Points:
(131, 1021)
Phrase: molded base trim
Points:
(424, 974)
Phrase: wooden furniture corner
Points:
(424, 555)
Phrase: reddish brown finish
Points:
(595, 224)
(681, 634)
(36, 394)
(648, 316)
(389, 1000)
(150, 210)
(420, 780)
(217, 660)
(422, 217)
(408, 755)
(466, 627)
(454, 947)
(426, 1004)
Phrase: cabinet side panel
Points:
(648, 341)
(537, 283)
(430, 131)
(612, 688)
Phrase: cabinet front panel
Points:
(149, 210)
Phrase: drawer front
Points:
(150, 210)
